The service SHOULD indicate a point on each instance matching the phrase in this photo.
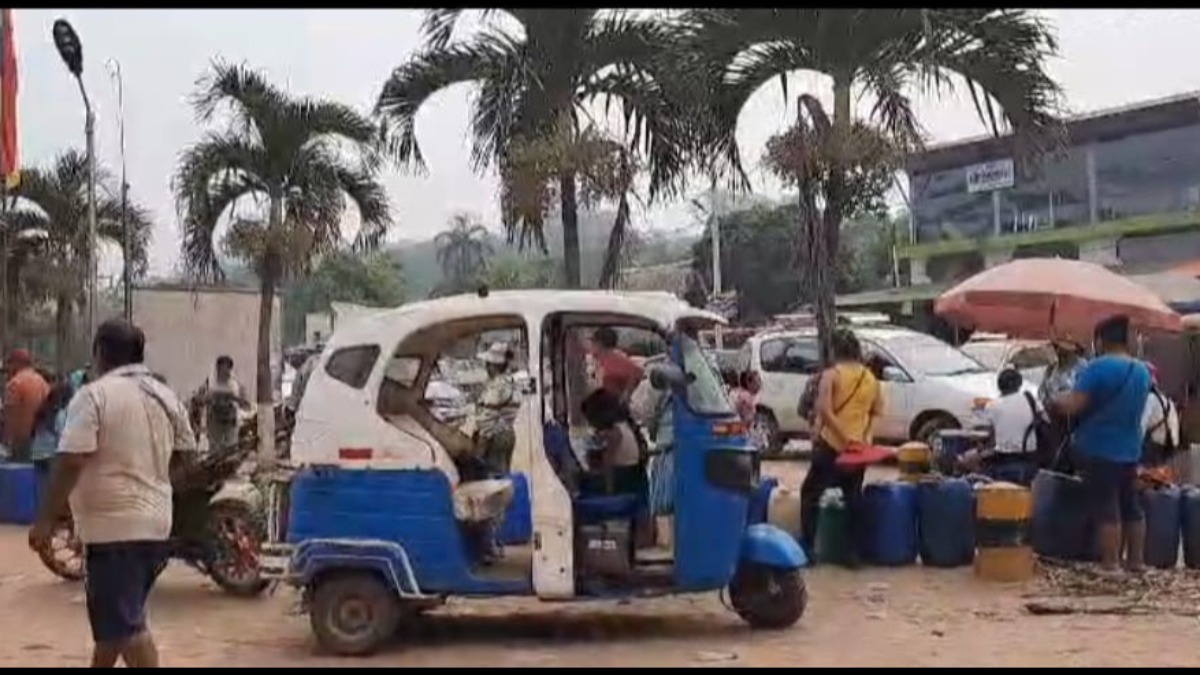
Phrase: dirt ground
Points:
(874, 617)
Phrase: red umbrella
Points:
(1041, 298)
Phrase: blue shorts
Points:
(1112, 491)
(118, 582)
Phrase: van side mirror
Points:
(894, 374)
(668, 376)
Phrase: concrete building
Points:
(1124, 192)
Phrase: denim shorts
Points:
(119, 578)
(1112, 491)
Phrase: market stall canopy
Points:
(1042, 298)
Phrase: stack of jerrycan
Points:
(946, 517)
(890, 524)
(1062, 526)
(1191, 527)
(833, 545)
(1002, 532)
(1164, 515)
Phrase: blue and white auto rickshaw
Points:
(371, 521)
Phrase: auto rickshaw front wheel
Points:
(353, 613)
(768, 597)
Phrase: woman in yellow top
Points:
(848, 403)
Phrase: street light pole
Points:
(66, 41)
(126, 236)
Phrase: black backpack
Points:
(1039, 431)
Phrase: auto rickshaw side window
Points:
(352, 366)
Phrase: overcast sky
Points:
(1108, 58)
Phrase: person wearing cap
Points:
(1058, 380)
(24, 393)
(495, 412)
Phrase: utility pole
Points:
(126, 233)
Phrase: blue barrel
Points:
(946, 522)
(1191, 527)
(1164, 516)
(18, 494)
(889, 524)
(517, 528)
(759, 500)
(1062, 527)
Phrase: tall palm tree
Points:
(50, 219)
(530, 114)
(463, 251)
(303, 159)
(999, 54)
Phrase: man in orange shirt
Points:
(24, 394)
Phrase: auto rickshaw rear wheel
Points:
(768, 597)
(353, 613)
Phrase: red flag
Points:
(9, 154)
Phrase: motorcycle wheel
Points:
(64, 557)
(235, 536)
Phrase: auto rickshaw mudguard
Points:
(768, 545)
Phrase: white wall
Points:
(186, 330)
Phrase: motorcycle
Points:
(217, 526)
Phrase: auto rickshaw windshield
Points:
(706, 391)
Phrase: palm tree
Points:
(290, 154)
(50, 221)
(999, 54)
(463, 251)
(530, 116)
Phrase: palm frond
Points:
(254, 101)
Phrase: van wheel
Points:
(764, 432)
(927, 432)
(768, 597)
(353, 614)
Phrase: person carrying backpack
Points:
(1160, 422)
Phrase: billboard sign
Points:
(989, 176)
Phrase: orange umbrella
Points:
(1041, 298)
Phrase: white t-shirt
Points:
(124, 491)
(1155, 414)
(1010, 418)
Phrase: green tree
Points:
(463, 252)
(529, 116)
(304, 158)
(509, 271)
(51, 248)
(999, 54)
(373, 280)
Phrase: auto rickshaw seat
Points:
(588, 509)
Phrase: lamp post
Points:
(66, 41)
(126, 237)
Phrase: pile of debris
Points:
(1081, 588)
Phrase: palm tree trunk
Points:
(263, 382)
(570, 223)
(825, 250)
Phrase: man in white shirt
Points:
(123, 433)
(1011, 419)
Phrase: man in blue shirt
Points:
(1108, 401)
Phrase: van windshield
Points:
(706, 393)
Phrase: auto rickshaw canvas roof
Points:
(662, 309)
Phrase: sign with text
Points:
(990, 176)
